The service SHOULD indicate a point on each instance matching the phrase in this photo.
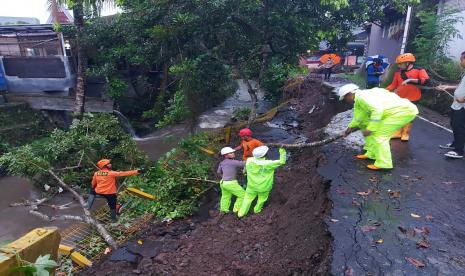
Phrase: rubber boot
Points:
(373, 167)
(406, 132)
(90, 201)
(397, 134)
(113, 215)
(361, 156)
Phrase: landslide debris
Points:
(289, 237)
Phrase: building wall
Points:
(457, 45)
(381, 44)
(29, 75)
(9, 46)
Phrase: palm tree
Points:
(78, 7)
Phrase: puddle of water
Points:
(16, 221)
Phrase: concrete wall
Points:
(457, 45)
(380, 43)
(29, 75)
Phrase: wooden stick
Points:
(306, 145)
(52, 218)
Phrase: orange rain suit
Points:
(104, 180)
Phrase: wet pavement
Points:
(399, 219)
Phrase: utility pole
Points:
(406, 29)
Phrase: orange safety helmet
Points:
(245, 132)
(102, 163)
(407, 57)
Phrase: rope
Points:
(307, 145)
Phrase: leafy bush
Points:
(177, 196)
(176, 111)
(354, 78)
(434, 31)
(241, 114)
(448, 69)
(276, 77)
(116, 88)
(95, 137)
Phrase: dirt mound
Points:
(289, 236)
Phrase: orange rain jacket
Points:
(248, 147)
(104, 180)
(409, 91)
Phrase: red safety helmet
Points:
(102, 163)
(245, 132)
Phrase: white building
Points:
(457, 45)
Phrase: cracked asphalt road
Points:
(375, 233)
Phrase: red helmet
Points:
(245, 132)
(102, 163)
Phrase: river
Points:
(16, 221)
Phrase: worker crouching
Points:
(104, 184)
(378, 113)
(260, 177)
(229, 184)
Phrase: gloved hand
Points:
(282, 151)
(141, 171)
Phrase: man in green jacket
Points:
(260, 176)
(378, 113)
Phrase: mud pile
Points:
(289, 236)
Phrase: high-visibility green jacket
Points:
(372, 106)
(260, 172)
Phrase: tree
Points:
(78, 7)
(248, 35)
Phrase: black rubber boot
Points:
(113, 215)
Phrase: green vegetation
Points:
(176, 180)
(73, 153)
(354, 78)
(95, 137)
(430, 45)
(241, 114)
(41, 267)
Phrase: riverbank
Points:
(289, 236)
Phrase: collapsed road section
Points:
(288, 237)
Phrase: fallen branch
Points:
(52, 218)
(87, 216)
(201, 179)
(307, 145)
(29, 203)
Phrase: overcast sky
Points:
(30, 8)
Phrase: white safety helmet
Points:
(346, 89)
(227, 150)
(260, 151)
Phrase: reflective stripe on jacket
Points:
(373, 105)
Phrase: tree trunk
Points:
(253, 97)
(307, 145)
(81, 59)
